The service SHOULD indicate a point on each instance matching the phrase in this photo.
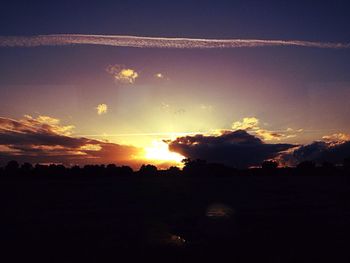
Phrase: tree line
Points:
(193, 168)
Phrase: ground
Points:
(99, 219)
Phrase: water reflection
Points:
(218, 210)
(177, 240)
(161, 236)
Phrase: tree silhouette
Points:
(148, 170)
(306, 165)
(346, 163)
(192, 168)
(12, 167)
(269, 165)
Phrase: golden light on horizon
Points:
(159, 152)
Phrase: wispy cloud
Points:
(155, 42)
(206, 107)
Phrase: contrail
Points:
(155, 42)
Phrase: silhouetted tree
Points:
(346, 164)
(57, 170)
(111, 166)
(195, 167)
(126, 170)
(111, 169)
(148, 170)
(202, 168)
(328, 165)
(198, 167)
(12, 167)
(41, 169)
(75, 170)
(26, 168)
(269, 165)
(173, 171)
(306, 165)
(94, 170)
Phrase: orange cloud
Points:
(252, 124)
(45, 140)
(337, 138)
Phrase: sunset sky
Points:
(84, 103)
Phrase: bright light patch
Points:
(91, 147)
(248, 123)
(159, 151)
(159, 75)
(102, 109)
(127, 76)
(122, 74)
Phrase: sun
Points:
(159, 152)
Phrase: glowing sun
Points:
(159, 152)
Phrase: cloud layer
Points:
(155, 42)
(334, 148)
(45, 140)
(234, 148)
(252, 124)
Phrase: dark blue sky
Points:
(307, 20)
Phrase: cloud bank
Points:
(246, 146)
(252, 124)
(155, 42)
(333, 148)
(243, 150)
(45, 140)
(234, 148)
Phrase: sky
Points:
(102, 103)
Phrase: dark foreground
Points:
(175, 219)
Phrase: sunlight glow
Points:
(159, 151)
(159, 75)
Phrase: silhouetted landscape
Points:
(205, 212)
(191, 168)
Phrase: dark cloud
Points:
(320, 151)
(45, 140)
(234, 148)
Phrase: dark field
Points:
(105, 219)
